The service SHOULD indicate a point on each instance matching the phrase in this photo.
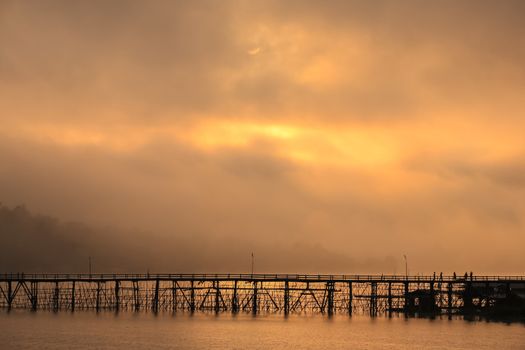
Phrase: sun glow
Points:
(309, 144)
(344, 146)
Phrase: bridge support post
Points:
(73, 301)
(286, 297)
(155, 303)
(330, 286)
(467, 297)
(407, 297)
(136, 295)
(173, 295)
(192, 296)
(390, 298)
(97, 302)
(487, 293)
(217, 296)
(449, 298)
(117, 295)
(350, 297)
(373, 298)
(9, 294)
(432, 297)
(56, 297)
(235, 301)
(34, 292)
(254, 298)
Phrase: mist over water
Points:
(89, 330)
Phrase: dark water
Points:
(87, 330)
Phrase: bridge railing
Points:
(255, 277)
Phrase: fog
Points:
(323, 136)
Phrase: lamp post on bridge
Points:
(406, 266)
(252, 262)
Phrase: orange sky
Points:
(371, 129)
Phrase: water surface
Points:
(89, 330)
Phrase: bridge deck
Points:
(255, 277)
(259, 292)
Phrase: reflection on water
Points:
(47, 330)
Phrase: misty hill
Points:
(39, 243)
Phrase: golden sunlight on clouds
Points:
(314, 145)
(363, 117)
(346, 146)
(371, 156)
(254, 51)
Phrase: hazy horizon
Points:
(324, 136)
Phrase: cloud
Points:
(125, 62)
(506, 172)
(360, 130)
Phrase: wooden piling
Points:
(73, 301)
(373, 299)
(117, 295)
(254, 298)
(155, 303)
(350, 297)
(56, 297)
(97, 305)
(192, 296)
(286, 297)
(235, 301)
(330, 286)
(407, 297)
(390, 297)
(217, 296)
(34, 293)
(174, 295)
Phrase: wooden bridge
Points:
(255, 293)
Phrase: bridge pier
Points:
(155, 302)
(173, 295)
(235, 301)
(192, 296)
(286, 297)
(350, 297)
(34, 293)
(373, 299)
(73, 285)
(432, 297)
(254, 298)
(117, 295)
(97, 304)
(449, 298)
(407, 297)
(9, 295)
(56, 297)
(217, 296)
(330, 286)
(136, 295)
(390, 298)
(467, 297)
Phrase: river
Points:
(22, 329)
